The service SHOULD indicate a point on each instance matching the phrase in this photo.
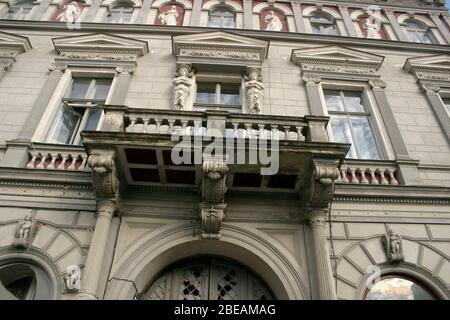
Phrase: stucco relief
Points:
(182, 87)
(255, 90)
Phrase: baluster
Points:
(383, 178)
(301, 137)
(373, 178)
(261, 130)
(391, 175)
(344, 175)
(353, 173)
(53, 158)
(41, 164)
(145, 121)
(248, 130)
(184, 124)
(30, 165)
(286, 132)
(274, 134)
(171, 124)
(83, 165)
(235, 129)
(158, 125)
(73, 160)
(363, 176)
(132, 124)
(63, 162)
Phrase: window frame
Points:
(225, 8)
(379, 131)
(114, 9)
(218, 79)
(332, 22)
(55, 106)
(444, 93)
(426, 30)
(23, 17)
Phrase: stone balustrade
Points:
(368, 172)
(67, 158)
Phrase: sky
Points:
(447, 3)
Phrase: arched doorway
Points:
(207, 278)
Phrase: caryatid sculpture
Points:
(182, 87)
(254, 90)
(169, 17)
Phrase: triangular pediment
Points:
(100, 42)
(438, 63)
(9, 41)
(219, 46)
(336, 55)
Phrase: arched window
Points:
(322, 23)
(120, 13)
(398, 287)
(19, 10)
(207, 279)
(24, 281)
(222, 17)
(418, 32)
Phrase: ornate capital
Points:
(106, 208)
(319, 192)
(126, 69)
(376, 83)
(26, 230)
(393, 247)
(58, 67)
(211, 220)
(104, 174)
(5, 65)
(214, 184)
(427, 87)
(311, 79)
(316, 217)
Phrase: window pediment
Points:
(431, 68)
(219, 48)
(100, 47)
(336, 59)
(10, 46)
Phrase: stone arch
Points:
(358, 13)
(312, 9)
(262, 6)
(403, 17)
(112, 3)
(353, 263)
(250, 247)
(213, 3)
(159, 3)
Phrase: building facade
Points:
(335, 116)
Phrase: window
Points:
(20, 10)
(323, 24)
(81, 110)
(23, 281)
(120, 14)
(446, 102)
(393, 287)
(222, 17)
(418, 32)
(217, 95)
(350, 123)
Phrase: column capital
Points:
(311, 79)
(125, 69)
(377, 83)
(61, 67)
(107, 208)
(430, 88)
(104, 174)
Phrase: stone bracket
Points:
(211, 220)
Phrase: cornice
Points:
(257, 34)
(420, 195)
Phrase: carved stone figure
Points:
(427, 2)
(439, 3)
(72, 278)
(71, 13)
(25, 231)
(211, 219)
(392, 243)
(372, 27)
(254, 91)
(169, 17)
(182, 87)
(273, 22)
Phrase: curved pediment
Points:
(336, 59)
(219, 47)
(101, 45)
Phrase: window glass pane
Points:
(341, 133)
(353, 101)
(447, 104)
(206, 92)
(92, 120)
(101, 88)
(228, 22)
(214, 21)
(229, 94)
(66, 125)
(397, 288)
(425, 37)
(333, 100)
(365, 140)
(329, 30)
(414, 37)
(79, 88)
(315, 28)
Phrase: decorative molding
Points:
(429, 68)
(104, 175)
(26, 230)
(392, 244)
(336, 59)
(126, 69)
(219, 48)
(72, 278)
(379, 199)
(58, 67)
(376, 83)
(211, 220)
(310, 79)
(214, 180)
(44, 185)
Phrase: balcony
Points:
(142, 141)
